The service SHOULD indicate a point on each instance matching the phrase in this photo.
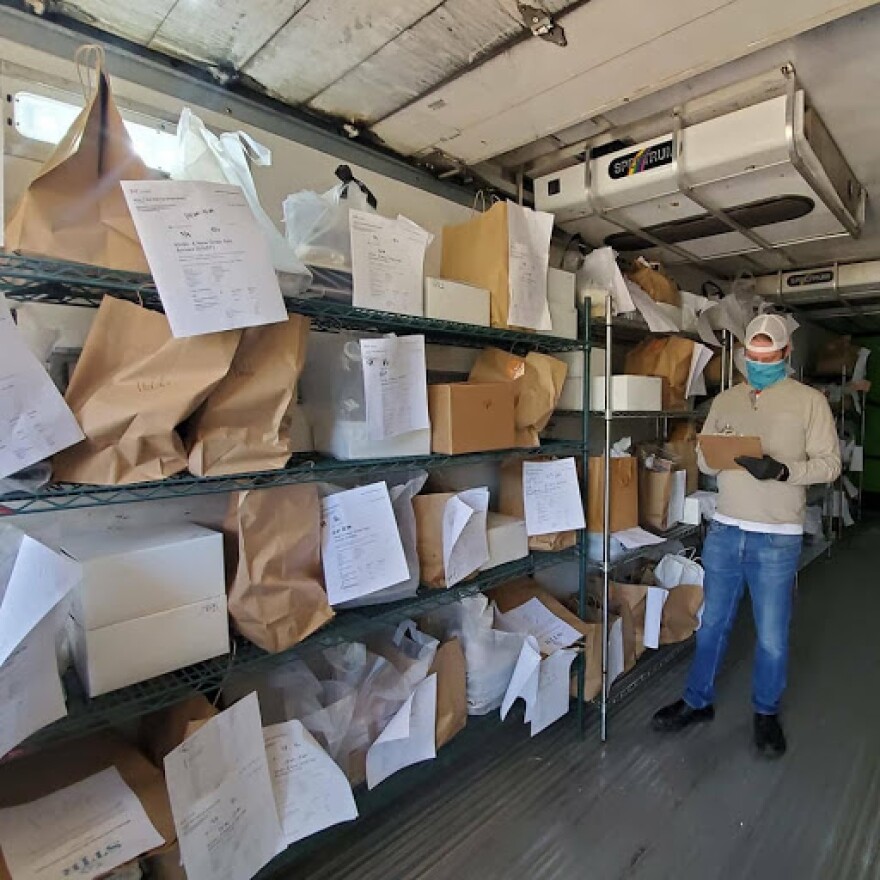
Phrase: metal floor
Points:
(647, 806)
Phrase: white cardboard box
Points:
(561, 288)
(563, 322)
(628, 393)
(125, 653)
(575, 361)
(572, 397)
(351, 440)
(132, 574)
(454, 301)
(508, 540)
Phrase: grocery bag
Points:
(201, 155)
(629, 601)
(537, 379)
(681, 613)
(511, 503)
(682, 445)
(669, 358)
(318, 223)
(452, 708)
(277, 596)
(678, 568)
(624, 494)
(74, 208)
(659, 286)
(661, 497)
(246, 422)
(133, 384)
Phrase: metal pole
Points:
(585, 487)
(606, 515)
(731, 348)
(864, 400)
(724, 343)
(841, 495)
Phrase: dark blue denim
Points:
(767, 563)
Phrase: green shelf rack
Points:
(33, 279)
(681, 532)
(301, 469)
(126, 704)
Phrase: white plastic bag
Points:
(678, 568)
(317, 224)
(600, 272)
(201, 155)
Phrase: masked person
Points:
(756, 535)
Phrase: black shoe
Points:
(769, 738)
(679, 715)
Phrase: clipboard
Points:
(720, 450)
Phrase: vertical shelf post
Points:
(606, 513)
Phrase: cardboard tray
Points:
(720, 450)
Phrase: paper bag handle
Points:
(89, 57)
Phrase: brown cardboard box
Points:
(624, 494)
(720, 450)
(471, 416)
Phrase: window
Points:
(46, 120)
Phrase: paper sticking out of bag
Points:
(465, 542)
(657, 320)
(276, 597)
(209, 258)
(537, 385)
(202, 155)
(245, 424)
(35, 422)
(74, 208)
(133, 384)
(552, 496)
(409, 737)
(387, 263)
(720, 451)
(600, 270)
(696, 381)
(533, 618)
(528, 243)
(361, 547)
(395, 385)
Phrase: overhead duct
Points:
(853, 283)
(752, 182)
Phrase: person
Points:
(755, 537)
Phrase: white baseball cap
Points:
(772, 326)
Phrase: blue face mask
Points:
(762, 376)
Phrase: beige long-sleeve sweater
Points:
(796, 427)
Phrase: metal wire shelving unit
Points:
(37, 280)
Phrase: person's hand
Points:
(764, 468)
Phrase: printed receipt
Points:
(209, 257)
(35, 422)
(395, 386)
(361, 547)
(84, 830)
(222, 799)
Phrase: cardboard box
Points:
(131, 574)
(508, 540)
(624, 494)
(456, 301)
(628, 393)
(720, 450)
(572, 397)
(561, 288)
(351, 440)
(564, 322)
(471, 416)
(125, 653)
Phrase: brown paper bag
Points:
(836, 356)
(511, 503)
(682, 444)
(624, 494)
(538, 380)
(658, 285)
(133, 385)
(245, 424)
(163, 731)
(429, 537)
(277, 597)
(451, 669)
(669, 358)
(477, 252)
(44, 772)
(630, 602)
(679, 619)
(655, 493)
(74, 209)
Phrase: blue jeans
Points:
(768, 563)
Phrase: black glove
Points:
(765, 468)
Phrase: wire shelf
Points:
(637, 414)
(301, 469)
(681, 532)
(632, 330)
(88, 715)
(34, 279)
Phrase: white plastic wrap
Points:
(317, 223)
(201, 155)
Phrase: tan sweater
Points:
(796, 427)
